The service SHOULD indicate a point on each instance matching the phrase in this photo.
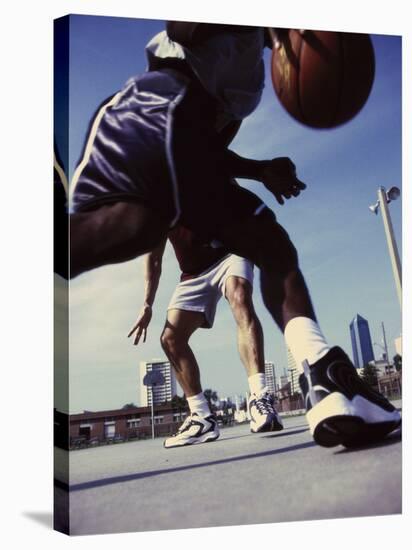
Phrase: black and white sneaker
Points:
(263, 415)
(341, 408)
(194, 430)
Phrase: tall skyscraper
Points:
(361, 342)
(270, 374)
(293, 373)
(161, 393)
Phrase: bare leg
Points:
(266, 243)
(249, 330)
(179, 327)
(113, 233)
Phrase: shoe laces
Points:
(264, 404)
(186, 423)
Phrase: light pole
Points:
(385, 345)
(387, 358)
(151, 379)
(292, 381)
(385, 350)
(152, 410)
(384, 198)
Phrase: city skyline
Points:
(341, 245)
(281, 371)
(362, 349)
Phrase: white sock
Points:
(305, 341)
(257, 383)
(199, 405)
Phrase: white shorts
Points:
(202, 293)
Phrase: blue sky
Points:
(342, 246)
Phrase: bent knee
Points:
(166, 340)
(171, 342)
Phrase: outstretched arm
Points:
(277, 175)
(152, 273)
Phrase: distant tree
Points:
(243, 405)
(285, 390)
(370, 374)
(129, 406)
(212, 398)
(397, 361)
(226, 404)
(179, 403)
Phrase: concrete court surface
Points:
(242, 478)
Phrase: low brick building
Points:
(86, 429)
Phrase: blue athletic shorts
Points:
(155, 142)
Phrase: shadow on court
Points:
(142, 475)
(284, 433)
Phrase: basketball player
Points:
(207, 274)
(156, 155)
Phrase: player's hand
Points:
(140, 327)
(279, 177)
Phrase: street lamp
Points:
(384, 198)
(388, 365)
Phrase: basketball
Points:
(323, 79)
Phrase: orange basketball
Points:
(323, 79)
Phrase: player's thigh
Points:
(181, 324)
(122, 230)
(259, 238)
(238, 291)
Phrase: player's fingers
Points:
(132, 331)
(300, 184)
(138, 336)
(279, 198)
(286, 188)
(144, 335)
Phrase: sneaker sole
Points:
(195, 441)
(337, 420)
(272, 426)
(351, 431)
